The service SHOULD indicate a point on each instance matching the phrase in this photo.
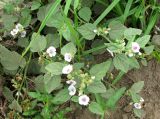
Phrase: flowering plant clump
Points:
(64, 55)
(18, 29)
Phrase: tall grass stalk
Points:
(107, 10)
(127, 9)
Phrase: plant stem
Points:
(94, 49)
(25, 73)
(118, 78)
(102, 116)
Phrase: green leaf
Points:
(144, 62)
(8, 94)
(11, 60)
(38, 43)
(117, 30)
(155, 40)
(15, 106)
(37, 67)
(61, 97)
(55, 68)
(25, 18)
(39, 84)
(87, 3)
(98, 43)
(86, 31)
(138, 112)
(34, 94)
(67, 32)
(78, 66)
(137, 87)
(35, 5)
(130, 32)
(30, 112)
(96, 108)
(68, 28)
(149, 49)
(96, 87)
(69, 48)
(23, 42)
(100, 70)
(8, 21)
(56, 20)
(7, 7)
(135, 97)
(75, 99)
(53, 83)
(142, 41)
(85, 13)
(53, 40)
(111, 102)
(108, 93)
(121, 62)
(133, 63)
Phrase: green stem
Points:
(106, 38)
(60, 39)
(94, 49)
(25, 74)
(118, 78)
(102, 116)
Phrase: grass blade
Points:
(67, 6)
(152, 22)
(108, 9)
(127, 9)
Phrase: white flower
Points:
(139, 53)
(110, 52)
(18, 94)
(141, 100)
(130, 54)
(137, 105)
(67, 69)
(93, 77)
(67, 57)
(19, 27)
(135, 47)
(23, 34)
(108, 29)
(106, 32)
(51, 51)
(95, 31)
(71, 82)
(14, 32)
(83, 100)
(72, 90)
